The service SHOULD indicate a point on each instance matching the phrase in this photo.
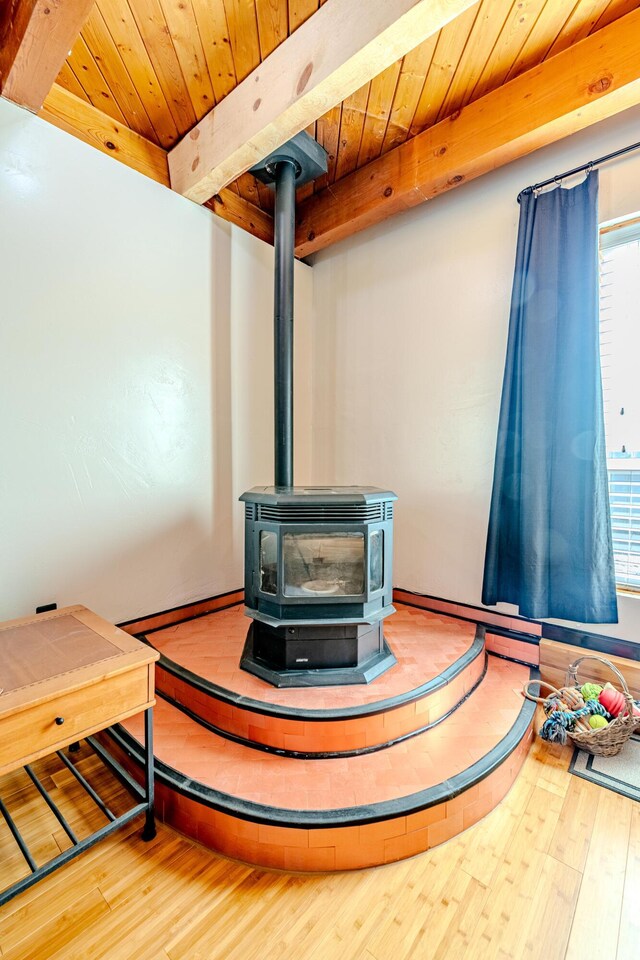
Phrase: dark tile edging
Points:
(529, 638)
(594, 642)
(504, 656)
(301, 755)
(346, 816)
(287, 713)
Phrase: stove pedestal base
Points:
(316, 656)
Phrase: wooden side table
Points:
(65, 675)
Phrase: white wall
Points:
(135, 378)
(410, 331)
(136, 363)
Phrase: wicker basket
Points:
(604, 741)
(566, 698)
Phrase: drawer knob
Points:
(59, 721)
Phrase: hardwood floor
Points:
(553, 872)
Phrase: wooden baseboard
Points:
(556, 657)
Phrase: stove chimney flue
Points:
(297, 162)
(284, 234)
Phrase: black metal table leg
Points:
(149, 830)
(144, 805)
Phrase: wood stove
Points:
(318, 583)
(318, 560)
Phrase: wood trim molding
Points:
(35, 39)
(619, 225)
(594, 79)
(331, 55)
(555, 658)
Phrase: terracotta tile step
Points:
(345, 812)
(440, 660)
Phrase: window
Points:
(619, 350)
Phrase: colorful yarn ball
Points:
(596, 722)
(591, 691)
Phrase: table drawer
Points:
(36, 731)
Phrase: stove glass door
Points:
(269, 561)
(376, 560)
(324, 565)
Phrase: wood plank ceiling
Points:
(156, 67)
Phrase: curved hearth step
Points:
(340, 813)
(440, 662)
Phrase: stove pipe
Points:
(284, 232)
(297, 162)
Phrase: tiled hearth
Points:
(333, 778)
(439, 662)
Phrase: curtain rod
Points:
(585, 166)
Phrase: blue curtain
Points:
(549, 544)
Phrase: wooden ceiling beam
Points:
(89, 124)
(96, 128)
(35, 39)
(596, 78)
(336, 51)
(235, 209)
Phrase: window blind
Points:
(619, 351)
